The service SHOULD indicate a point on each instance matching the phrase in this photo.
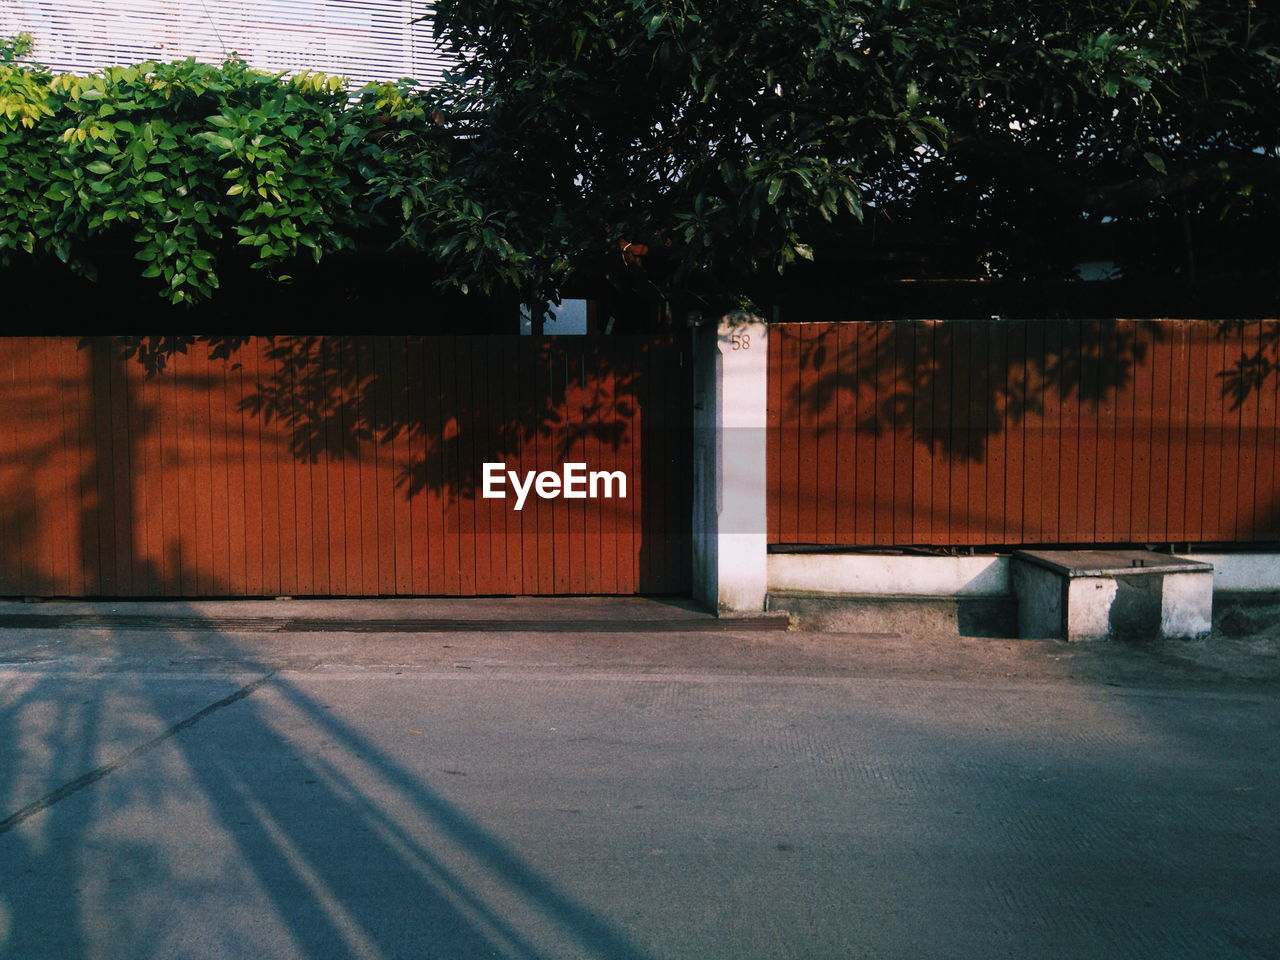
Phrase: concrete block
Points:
(1103, 595)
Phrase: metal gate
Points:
(343, 466)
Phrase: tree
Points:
(727, 137)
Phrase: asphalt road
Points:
(210, 795)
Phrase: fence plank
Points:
(1179, 428)
(1161, 483)
(961, 439)
(997, 435)
(1267, 504)
(64, 372)
(900, 412)
(1245, 409)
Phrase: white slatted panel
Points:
(364, 40)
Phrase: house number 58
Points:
(740, 341)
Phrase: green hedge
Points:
(185, 161)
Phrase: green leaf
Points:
(99, 167)
(852, 202)
(221, 142)
(235, 189)
(1156, 162)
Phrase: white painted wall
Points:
(365, 40)
(1242, 571)
(849, 573)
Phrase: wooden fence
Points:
(957, 433)
(345, 466)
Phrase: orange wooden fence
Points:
(345, 466)
(951, 433)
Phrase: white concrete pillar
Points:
(730, 536)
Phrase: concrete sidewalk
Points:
(390, 615)
(404, 608)
(578, 633)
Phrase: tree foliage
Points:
(727, 135)
(185, 161)
(678, 145)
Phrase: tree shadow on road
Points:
(351, 852)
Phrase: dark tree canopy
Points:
(727, 137)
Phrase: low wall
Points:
(866, 574)
(874, 574)
(1242, 572)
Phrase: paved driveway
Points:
(219, 795)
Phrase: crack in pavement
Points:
(93, 776)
